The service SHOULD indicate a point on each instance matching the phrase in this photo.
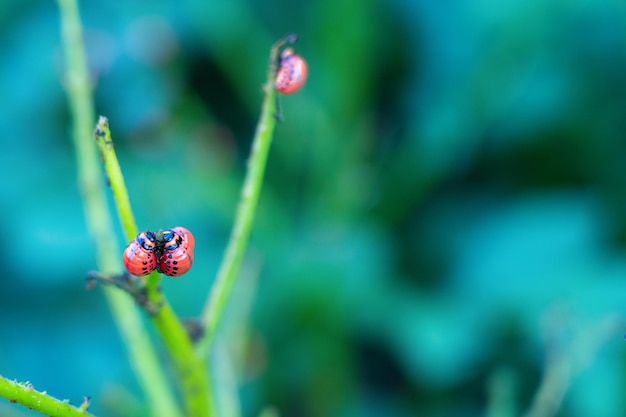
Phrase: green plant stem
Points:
(565, 362)
(191, 368)
(248, 201)
(115, 178)
(26, 395)
(142, 353)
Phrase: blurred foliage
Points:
(444, 204)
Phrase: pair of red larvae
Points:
(168, 251)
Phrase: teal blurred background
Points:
(444, 205)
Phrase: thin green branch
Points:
(142, 353)
(501, 390)
(26, 395)
(191, 369)
(115, 178)
(565, 362)
(227, 274)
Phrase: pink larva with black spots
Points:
(177, 253)
(292, 72)
(139, 256)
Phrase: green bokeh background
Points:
(445, 201)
